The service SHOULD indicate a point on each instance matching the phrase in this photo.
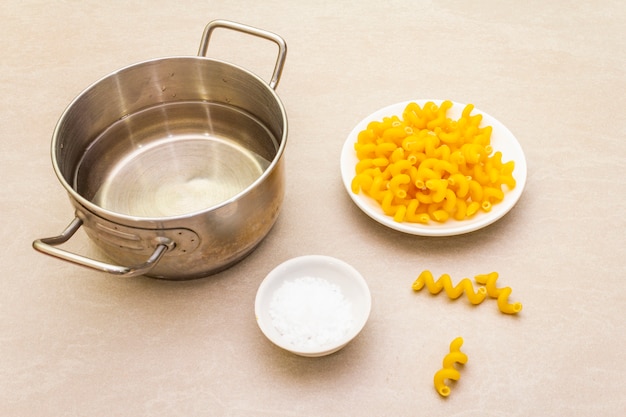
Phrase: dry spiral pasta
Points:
(445, 283)
(475, 296)
(425, 166)
(500, 294)
(448, 370)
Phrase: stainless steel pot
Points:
(174, 166)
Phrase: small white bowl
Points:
(334, 272)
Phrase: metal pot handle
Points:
(282, 46)
(48, 246)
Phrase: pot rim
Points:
(100, 211)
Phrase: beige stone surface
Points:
(75, 342)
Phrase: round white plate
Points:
(501, 140)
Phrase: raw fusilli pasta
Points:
(445, 283)
(475, 296)
(500, 294)
(433, 167)
(448, 371)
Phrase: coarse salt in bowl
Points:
(312, 305)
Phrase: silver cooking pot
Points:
(174, 166)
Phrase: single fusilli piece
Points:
(453, 291)
(448, 370)
(500, 294)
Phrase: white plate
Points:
(501, 140)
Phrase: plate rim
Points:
(451, 227)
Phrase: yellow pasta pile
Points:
(448, 371)
(425, 166)
(426, 279)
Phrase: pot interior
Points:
(174, 158)
(168, 137)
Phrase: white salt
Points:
(310, 312)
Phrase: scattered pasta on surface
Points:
(444, 283)
(425, 166)
(500, 294)
(475, 296)
(448, 370)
